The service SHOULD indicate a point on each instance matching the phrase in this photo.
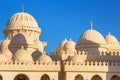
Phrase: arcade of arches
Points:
(1, 77)
(45, 77)
(115, 77)
(96, 77)
(25, 77)
(21, 77)
(79, 77)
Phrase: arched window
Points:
(115, 77)
(21, 77)
(96, 77)
(78, 77)
(45, 77)
(1, 77)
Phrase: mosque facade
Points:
(23, 57)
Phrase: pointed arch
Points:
(21, 77)
(96, 77)
(115, 77)
(45, 77)
(1, 77)
(78, 77)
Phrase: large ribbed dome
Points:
(22, 20)
(91, 36)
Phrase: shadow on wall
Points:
(17, 41)
(36, 55)
(112, 76)
(91, 49)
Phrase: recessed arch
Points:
(1, 77)
(78, 77)
(96, 77)
(21, 77)
(115, 77)
(45, 77)
(36, 55)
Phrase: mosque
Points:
(23, 57)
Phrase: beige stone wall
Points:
(87, 70)
(7, 75)
(8, 71)
(85, 75)
(53, 66)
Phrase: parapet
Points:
(30, 63)
(31, 66)
(92, 63)
(111, 53)
(81, 53)
(92, 66)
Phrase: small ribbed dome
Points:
(91, 36)
(60, 47)
(22, 20)
(8, 54)
(44, 59)
(23, 55)
(2, 58)
(21, 39)
(69, 45)
(111, 39)
(76, 59)
(5, 42)
(4, 48)
(63, 43)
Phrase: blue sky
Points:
(61, 19)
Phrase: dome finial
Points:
(22, 7)
(109, 33)
(70, 39)
(91, 25)
(65, 39)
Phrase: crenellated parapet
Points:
(29, 63)
(92, 63)
(110, 53)
(103, 56)
(44, 44)
(35, 66)
(81, 53)
(102, 53)
(93, 66)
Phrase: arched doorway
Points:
(1, 77)
(45, 77)
(96, 77)
(78, 77)
(21, 77)
(115, 77)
